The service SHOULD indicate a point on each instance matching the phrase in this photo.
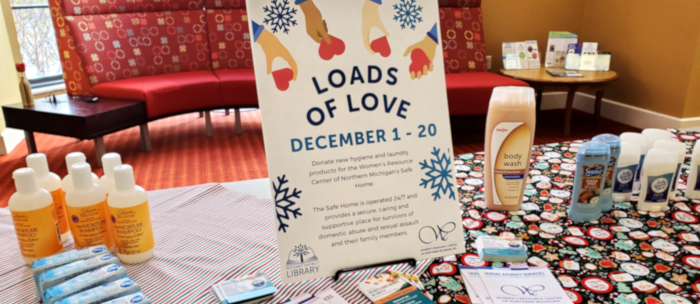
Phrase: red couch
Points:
(190, 55)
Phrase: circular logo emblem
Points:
(659, 185)
(258, 283)
(98, 250)
(574, 240)
(692, 261)
(599, 233)
(127, 284)
(137, 299)
(597, 285)
(684, 217)
(496, 216)
(625, 176)
(631, 223)
(635, 269)
(74, 218)
(551, 228)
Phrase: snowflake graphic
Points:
(439, 174)
(408, 13)
(280, 16)
(284, 202)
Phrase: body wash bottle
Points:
(49, 181)
(692, 190)
(659, 168)
(86, 204)
(510, 131)
(677, 148)
(591, 164)
(606, 196)
(644, 146)
(128, 206)
(627, 166)
(109, 161)
(34, 218)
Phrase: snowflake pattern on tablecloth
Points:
(280, 16)
(439, 173)
(408, 13)
(285, 202)
(628, 256)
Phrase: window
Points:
(37, 42)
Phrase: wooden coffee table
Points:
(74, 117)
(541, 81)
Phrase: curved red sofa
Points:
(190, 55)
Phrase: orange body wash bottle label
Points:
(59, 203)
(89, 226)
(133, 231)
(37, 236)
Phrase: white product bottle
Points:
(627, 166)
(659, 167)
(677, 148)
(109, 161)
(644, 146)
(49, 181)
(128, 206)
(86, 204)
(653, 135)
(73, 158)
(693, 187)
(34, 218)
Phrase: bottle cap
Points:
(82, 175)
(611, 139)
(74, 157)
(25, 180)
(124, 177)
(513, 96)
(637, 138)
(109, 161)
(653, 135)
(593, 148)
(673, 146)
(38, 162)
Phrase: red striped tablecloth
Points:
(204, 234)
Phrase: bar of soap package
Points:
(99, 276)
(134, 298)
(384, 288)
(66, 272)
(495, 249)
(45, 264)
(104, 292)
(244, 290)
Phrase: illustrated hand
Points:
(273, 48)
(370, 20)
(422, 54)
(315, 25)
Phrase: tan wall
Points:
(9, 83)
(692, 100)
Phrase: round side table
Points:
(541, 81)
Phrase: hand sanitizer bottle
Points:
(67, 182)
(627, 166)
(591, 163)
(128, 206)
(657, 175)
(86, 204)
(49, 181)
(644, 146)
(34, 218)
(614, 142)
(692, 190)
(109, 161)
(677, 148)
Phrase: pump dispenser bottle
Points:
(49, 181)
(34, 218)
(677, 148)
(510, 131)
(644, 146)
(109, 161)
(692, 190)
(128, 206)
(656, 180)
(73, 158)
(86, 204)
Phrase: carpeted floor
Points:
(183, 155)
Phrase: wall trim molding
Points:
(620, 112)
(10, 139)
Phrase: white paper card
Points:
(510, 60)
(534, 285)
(521, 53)
(327, 296)
(556, 48)
(589, 52)
(533, 56)
(475, 287)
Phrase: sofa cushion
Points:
(469, 93)
(238, 87)
(121, 46)
(167, 94)
(229, 39)
(462, 34)
(96, 7)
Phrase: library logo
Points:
(301, 260)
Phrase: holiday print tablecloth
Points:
(627, 257)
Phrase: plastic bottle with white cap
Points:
(73, 158)
(692, 190)
(109, 161)
(34, 218)
(86, 204)
(659, 167)
(677, 148)
(128, 206)
(49, 181)
(627, 166)
(653, 135)
(644, 146)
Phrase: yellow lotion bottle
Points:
(87, 210)
(49, 181)
(128, 207)
(510, 131)
(34, 218)
(109, 161)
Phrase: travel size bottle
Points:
(49, 181)
(627, 166)
(109, 161)
(589, 181)
(693, 187)
(86, 204)
(131, 216)
(677, 148)
(73, 158)
(34, 218)
(657, 176)
(644, 146)
(606, 196)
(510, 131)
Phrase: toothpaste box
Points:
(99, 276)
(249, 289)
(44, 264)
(104, 292)
(491, 248)
(63, 273)
(133, 298)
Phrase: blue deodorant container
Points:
(606, 201)
(591, 167)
